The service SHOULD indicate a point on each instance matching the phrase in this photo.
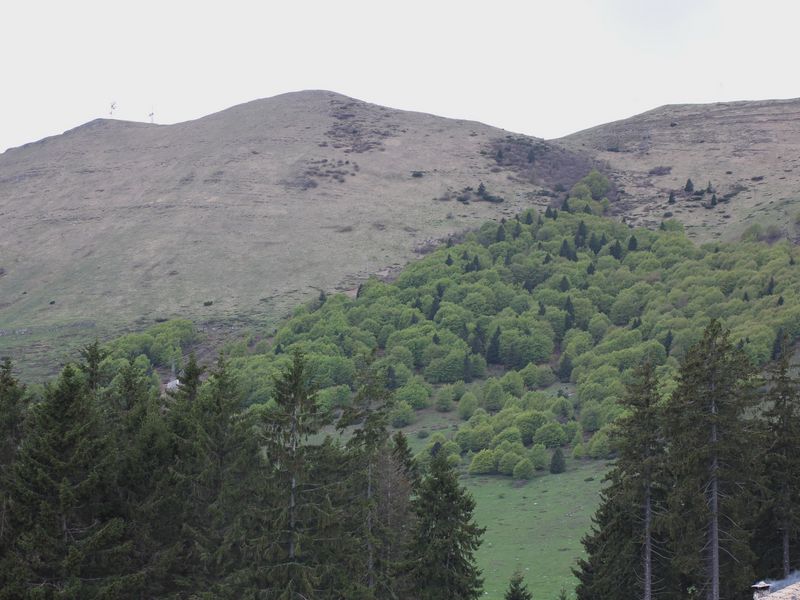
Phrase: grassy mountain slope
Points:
(749, 151)
(114, 224)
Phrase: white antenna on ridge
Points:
(113, 108)
(152, 114)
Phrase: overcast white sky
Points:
(541, 68)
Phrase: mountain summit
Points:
(246, 211)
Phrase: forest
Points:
(282, 470)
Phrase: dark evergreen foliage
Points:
(517, 590)
(441, 555)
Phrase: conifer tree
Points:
(633, 243)
(616, 250)
(441, 556)
(689, 187)
(68, 536)
(11, 419)
(151, 498)
(640, 464)
(782, 457)
(92, 355)
(286, 548)
(517, 590)
(493, 351)
(221, 469)
(612, 550)
(594, 243)
(557, 462)
(368, 443)
(710, 458)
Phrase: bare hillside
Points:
(240, 214)
(749, 151)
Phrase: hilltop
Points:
(241, 214)
(235, 218)
(748, 151)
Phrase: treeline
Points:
(111, 490)
(705, 493)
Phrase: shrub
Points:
(467, 405)
(414, 393)
(402, 415)
(523, 469)
(509, 434)
(528, 422)
(600, 445)
(551, 435)
(483, 463)
(507, 462)
(539, 457)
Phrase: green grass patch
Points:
(536, 527)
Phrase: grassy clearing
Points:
(536, 526)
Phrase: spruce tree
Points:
(92, 355)
(493, 351)
(557, 462)
(594, 243)
(286, 549)
(782, 457)
(12, 395)
(640, 465)
(610, 569)
(69, 539)
(517, 590)
(441, 556)
(223, 475)
(368, 444)
(710, 438)
(152, 499)
(616, 250)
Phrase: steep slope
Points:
(749, 151)
(241, 213)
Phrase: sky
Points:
(540, 68)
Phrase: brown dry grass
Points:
(254, 208)
(750, 149)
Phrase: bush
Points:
(444, 399)
(600, 445)
(402, 415)
(506, 464)
(528, 422)
(467, 405)
(493, 396)
(509, 434)
(539, 457)
(523, 469)
(414, 393)
(551, 435)
(483, 463)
